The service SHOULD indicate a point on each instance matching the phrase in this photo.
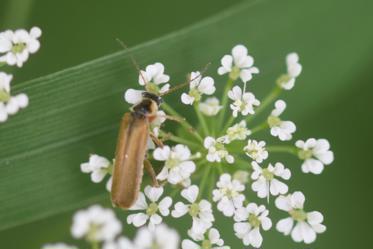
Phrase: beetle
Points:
(130, 155)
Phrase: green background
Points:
(331, 98)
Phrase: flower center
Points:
(252, 152)
(219, 146)
(230, 193)
(18, 48)
(155, 246)
(172, 163)
(152, 87)
(239, 132)
(298, 214)
(206, 244)
(92, 232)
(305, 154)
(195, 94)
(194, 210)
(254, 220)
(4, 96)
(268, 175)
(152, 209)
(273, 121)
(283, 79)
(235, 73)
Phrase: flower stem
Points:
(283, 148)
(260, 127)
(201, 120)
(182, 141)
(184, 123)
(204, 179)
(229, 123)
(212, 184)
(224, 103)
(276, 91)
(95, 244)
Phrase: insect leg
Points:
(156, 140)
(149, 168)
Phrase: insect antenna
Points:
(175, 88)
(134, 63)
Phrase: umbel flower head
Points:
(315, 153)
(16, 46)
(95, 224)
(238, 65)
(211, 169)
(10, 105)
(153, 211)
(307, 224)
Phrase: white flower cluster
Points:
(210, 151)
(15, 48)
(99, 226)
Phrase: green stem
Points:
(184, 123)
(201, 120)
(283, 149)
(95, 245)
(204, 179)
(229, 123)
(224, 102)
(212, 184)
(182, 141)
(272, 96)
(260, 127)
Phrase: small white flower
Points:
(256, 150)
(241, 176)
(242, 102)
(120, 243)
(308, 224)
(178, 166)
(95, 224)
(97, 166)
(200, 211)
(198, 86)
(316, 153)
(248, 222)
(161, 237)
(210, 107)
(217, 150)
(228, 195)
(10, 105)
(239, 64)
(212, 241)
(5, 80)
(265, 182)
(294, 68)
(281, 129)
(153, 77)
(16, 46)
(58, 246)
(153, 210)
(237, 132)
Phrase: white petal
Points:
(187, 99)
(133, 96)
(206, 86)
(153, 193)
(164, 206)
(190, 193)
(285, 226)
(180, 210)
(137, 220)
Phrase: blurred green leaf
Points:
(77, 111)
